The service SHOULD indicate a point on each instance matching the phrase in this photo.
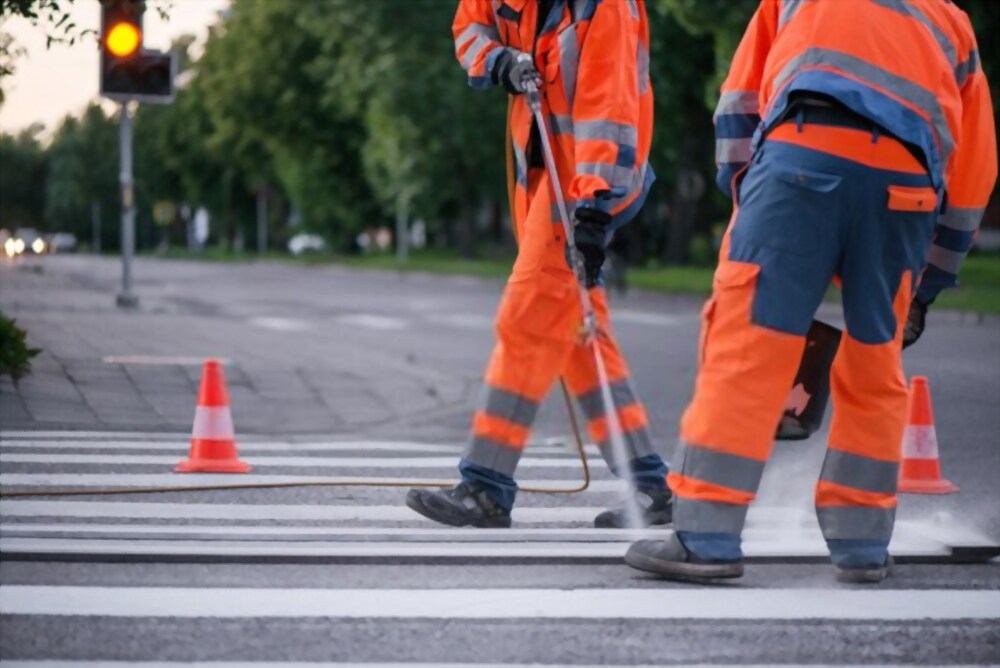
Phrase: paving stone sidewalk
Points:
(278, 384)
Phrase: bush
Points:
(15, 355)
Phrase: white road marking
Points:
(254, 512)
(181, 445)
(100, 435)
(649, 318)
(463, 320)
(400, 463)
(425, 540)
(119, 480)
(374, 321)
(725, 603)
(42, 663)
(280, 324)
(425, 534)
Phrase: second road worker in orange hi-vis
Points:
(856, 138)
(590, 59)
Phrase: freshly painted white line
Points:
(765, 545)
(249, 550)
(757, 542)
(426, 534)
(401, 463)
(253, 512)
(649, 318)
(726, 603)
(181, 444)
(35, 663)
(124, 480)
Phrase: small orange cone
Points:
(921, 469)
(213, 439)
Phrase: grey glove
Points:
(512, 69)
(914, 323)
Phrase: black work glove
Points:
(591, 236)
(914, 323)
(512, 69)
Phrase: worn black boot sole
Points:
(865, 575)
(445, 515)
(681, 570)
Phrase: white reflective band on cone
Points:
(920, 442)
(213, 422)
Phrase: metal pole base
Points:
(127, 300)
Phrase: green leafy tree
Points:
(82, 170)
(22, 179)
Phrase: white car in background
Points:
(306, 243)
(62, 242)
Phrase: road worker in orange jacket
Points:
(591, 59)
(856, 138)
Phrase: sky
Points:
(50, 83)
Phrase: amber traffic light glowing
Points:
(123, 39)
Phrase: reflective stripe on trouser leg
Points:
(500, 429)
(712, 489)
(535, 336)
(856, 493)
(646, 467)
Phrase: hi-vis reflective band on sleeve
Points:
(213, 423)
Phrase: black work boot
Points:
(466, 504)
(670, 559)
(655, 508)
(870, 575)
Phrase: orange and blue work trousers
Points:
(826, 194)
(538, 340)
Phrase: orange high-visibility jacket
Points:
(594, 58)
(911, 66)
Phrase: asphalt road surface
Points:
(341, 375)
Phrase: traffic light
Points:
(128, 71)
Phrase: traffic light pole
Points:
(127, 298)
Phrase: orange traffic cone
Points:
(921, 469)
(213, 439)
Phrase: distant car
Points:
(306, 243)
(28, 240)
(62, 242)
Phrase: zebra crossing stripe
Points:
(723, 603)
(260, 512)
(101, 435)
(401, 463)
(42, 663)
(125, 480)
(180, 446)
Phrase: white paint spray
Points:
(591, 328)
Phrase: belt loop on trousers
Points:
(875, 133)
(800, 117)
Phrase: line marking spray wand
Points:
(591, 327)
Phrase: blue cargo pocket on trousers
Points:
(782, 207)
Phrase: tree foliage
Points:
(350, 114)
